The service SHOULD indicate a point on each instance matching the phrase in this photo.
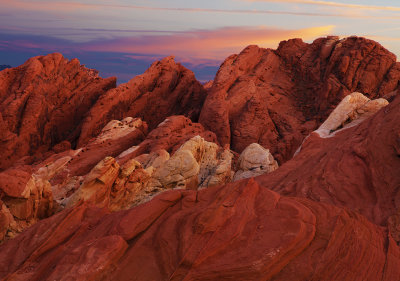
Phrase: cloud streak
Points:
(334, 4)
(206, 47)
(205, 44)
(62, 7)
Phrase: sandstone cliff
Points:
(277, 97)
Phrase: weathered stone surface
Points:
(241, 231)
(97, 184)
(357, 168)
(255, 160)
(166, 88)
(197, 163)
(169, 135)
(131, 214)
(277, 97)
(24, 198)
(353, 107)
(42, 103)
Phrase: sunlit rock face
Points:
(352, 110)
(42, 103)
(166, 88)
(163, 178)
(278, 97)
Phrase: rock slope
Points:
(357, 167)
(241, 231)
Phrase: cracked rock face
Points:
(42, 103)
(278, 97)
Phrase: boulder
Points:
(255, 160)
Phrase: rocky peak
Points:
(166, 88)
(43, 102)
(306, 81)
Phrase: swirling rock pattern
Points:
(241, 231)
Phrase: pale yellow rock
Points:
(129, 167)
(130, 188)
(353, 107)
(50, 170)
(197, 163)
(155, 159)
(178, 170)
(215, 166)
(97, 184)
(255, 160)
(371, 107)
(116, 129)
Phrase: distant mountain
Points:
(4, 66)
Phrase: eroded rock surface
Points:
(255, 160)
(166, 88)
(42, 103)
(277, 97)
(196, 164)
(354, 107)
(357, 168)
(150, 198)
(169, 135)
(241, 231)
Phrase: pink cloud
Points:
(333, 4)
(204, 46)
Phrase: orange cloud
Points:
(205, 44)
(334, 4)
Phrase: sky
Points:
(122, 38)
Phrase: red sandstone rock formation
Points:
(241, 231)
(341, 221)
(357, 167)
(277, 97)
(42, 103)
(169, 135)
(166, 88)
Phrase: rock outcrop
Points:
(42, 103)
(166, 88)
(277, 97)
(169, 135)
(352, 110)
(24, 199)
(255, 160)
(196, 164)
